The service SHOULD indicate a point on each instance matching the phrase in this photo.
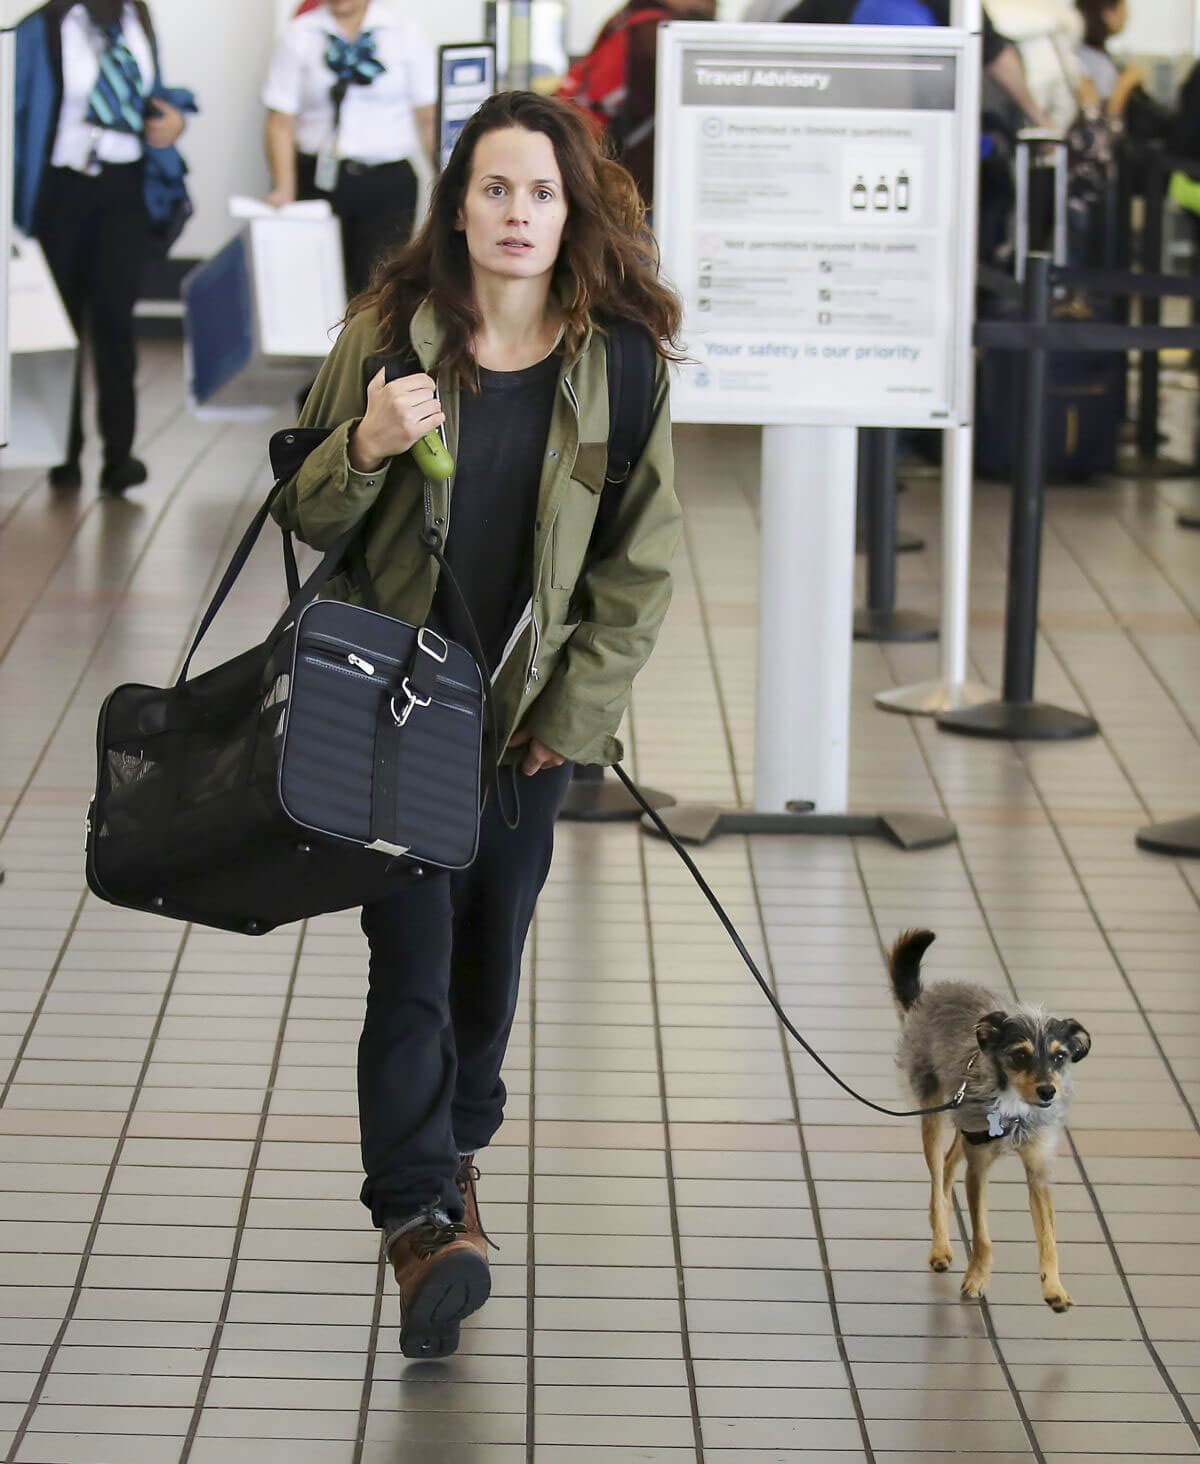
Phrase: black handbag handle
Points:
(297, 599)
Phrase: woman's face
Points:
(515, 206)
(1116, 16)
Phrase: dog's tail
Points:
(904, 965)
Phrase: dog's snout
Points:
(1047, 1092)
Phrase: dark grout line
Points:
(94, 1229)
(214, 1347)
(713, 659)
(364, 1407)
(814, 1204)
(1163, 1371)
(809, 1180)
(989, 1324)
(668, 1158)
(530, 1216)
(40, 1004)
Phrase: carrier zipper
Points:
(329, 646)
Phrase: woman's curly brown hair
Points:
(607, 266)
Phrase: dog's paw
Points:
(940, 1258)
(975, 1283)
(1058, 1298)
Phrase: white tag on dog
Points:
(995, 1127)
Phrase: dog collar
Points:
(996, 1129)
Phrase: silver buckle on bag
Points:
(424, 636)
(401, 717)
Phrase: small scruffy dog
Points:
(1016, 1065)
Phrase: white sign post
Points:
(821, 232)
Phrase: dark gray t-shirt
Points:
(501, 449)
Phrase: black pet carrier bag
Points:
(316, 772)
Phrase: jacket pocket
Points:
(576, 515)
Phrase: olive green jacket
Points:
(570, 662)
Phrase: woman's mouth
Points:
(516, 246)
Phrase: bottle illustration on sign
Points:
(903, 193)
(858, 195)
(883, 195)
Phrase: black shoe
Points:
(118, 476)
(66, 475)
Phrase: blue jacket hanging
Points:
(39, 89)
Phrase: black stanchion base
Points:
(894, 625)
(697, 823)
(590, 801)
(1154, 469)
(905, 544)
(1019, 722)
(1181, 838)
(1188, 520)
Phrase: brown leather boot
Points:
(442, 1279)
(466, 1179)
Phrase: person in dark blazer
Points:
(89, 105)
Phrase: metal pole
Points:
(1029, 492)
(881, 520)
(958, 447)
(806, 598)
(1152, 256)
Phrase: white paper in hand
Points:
(243, 207)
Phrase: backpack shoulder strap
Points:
(631, 363)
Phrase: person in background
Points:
(1001, 58)
(89, 102)
(350, 98)
(1106, 85)
(616, 82)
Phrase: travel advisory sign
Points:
(816, 212)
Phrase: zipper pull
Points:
(361, 664)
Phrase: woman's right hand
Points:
(398, 414)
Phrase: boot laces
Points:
(466, 1179)
(433, 1234)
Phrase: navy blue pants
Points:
(444, 975)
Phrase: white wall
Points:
(1161, 27)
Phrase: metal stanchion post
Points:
(1016, 714)
(1146, 463)
(881, 621)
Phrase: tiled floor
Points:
(707, 1252)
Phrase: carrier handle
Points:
(305, 592)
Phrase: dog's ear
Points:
(1076, 1038)
(988, 1029)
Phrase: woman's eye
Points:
(545, 195)
(495, 190)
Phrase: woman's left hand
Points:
(164, 123)
(539, 755)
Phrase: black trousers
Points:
(94, 234)
(444, 975)
(376, 207)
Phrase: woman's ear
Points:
(989, 1028)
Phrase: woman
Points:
(533, 237)
(1106, 86)
(350, 97)
(89, 104)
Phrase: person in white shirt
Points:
(1106, 86)
(350, 98)
(90, 215)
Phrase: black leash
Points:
(740, 945)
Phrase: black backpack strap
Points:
(631, 362)
(631, 365)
